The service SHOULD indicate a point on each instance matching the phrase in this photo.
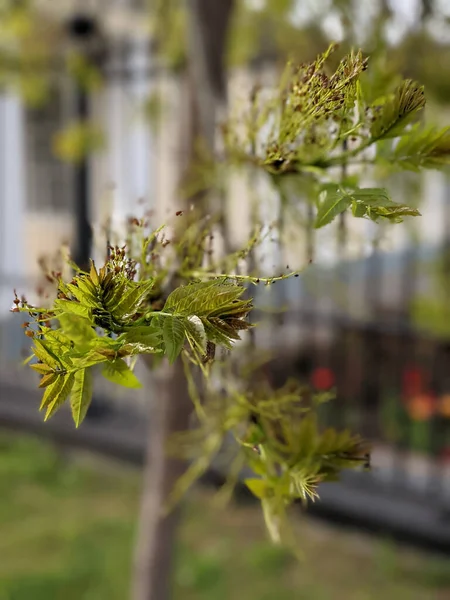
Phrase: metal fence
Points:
(390, 367)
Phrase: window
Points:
(49, 180)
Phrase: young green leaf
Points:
(332, 202)
(391, 118)
(135, 349)
(113, 293)
(82, 293)
(228, 328)
(88, 287)
(258, 487)
(52, 391)
(119, 372)
(63, 307)
(130, 303)
(93, 274)
(77, 329)
(307, 434)
(236, 309)
(81, 395)
(48, 379)
(41, 368)
(186, 299)
(59, 398)
(45, 355)
(196, 330)
(95, 357)
(376, 203)
(147, 336)
(216, 335)
(359, 210)
(174, 335)
(423, 147)
(57, 342)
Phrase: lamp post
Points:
(83, 31)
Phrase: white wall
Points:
(12, 198)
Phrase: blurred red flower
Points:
(412, 383)
(322, 378)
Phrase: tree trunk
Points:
(427, 10)
(170, 409)
(171, 406)
(208, 24)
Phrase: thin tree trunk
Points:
(171, 407)
(427, 10)
(208, 24)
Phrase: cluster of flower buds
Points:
(22, 305)
(120, 263)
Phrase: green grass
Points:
(67, 529)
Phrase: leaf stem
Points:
(250, 278)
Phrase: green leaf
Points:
(184, 295)
(224, 327)
(87, 286)
(332, 202)
(81, 395)
(65, 384)
(216, 335)
(57, 342)
(85, 291)
(377, 203)
(63, 307)
(147, 336)
(78, 329)
(391, 118)
(174, 336)
(119, 372)
(94, 275)
(27, 360)
(82, 294)
(41, 368)
(307, 434)
(196, 331)
(237, 309)
(394, 214)
(95, 357)
(52, 391)
(327, 441)
(359, 210)
(203, 299)
(375, 197)
(45, 355)
(373, 203)
(134, 349)
(115, 293)
(132, 300)
(423, 147)
(48, 379)
(258, 487)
